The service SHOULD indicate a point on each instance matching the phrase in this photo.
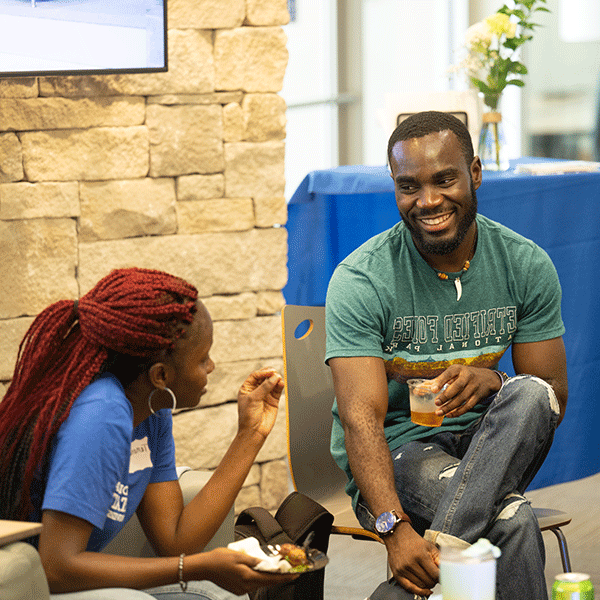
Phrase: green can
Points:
(572, 586)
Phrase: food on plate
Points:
(295, 555)
(287, 558)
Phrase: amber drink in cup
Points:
(422, 403)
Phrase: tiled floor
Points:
(357, 567)
(582, 500)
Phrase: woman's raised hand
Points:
(258, 401)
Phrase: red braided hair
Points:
(134, 312)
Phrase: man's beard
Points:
(444, 247)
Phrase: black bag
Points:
(296, 518)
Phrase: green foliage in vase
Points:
(493, 49)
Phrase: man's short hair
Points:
(424, 123)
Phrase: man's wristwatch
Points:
(386, 522)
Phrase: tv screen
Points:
(71, 37)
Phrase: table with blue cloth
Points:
(334, 211)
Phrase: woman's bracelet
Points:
(182, 583)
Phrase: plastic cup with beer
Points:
(469, 574)
(422, 403)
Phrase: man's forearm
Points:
(546, 360)
(372, 467)
(561, 391)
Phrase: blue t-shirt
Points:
(100, 465)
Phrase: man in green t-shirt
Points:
(442, 295)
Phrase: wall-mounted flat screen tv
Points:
(75, 37)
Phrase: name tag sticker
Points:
(140, 455)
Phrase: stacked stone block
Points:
(181, 171)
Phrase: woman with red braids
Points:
(86, 438)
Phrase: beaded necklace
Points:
(457, 283)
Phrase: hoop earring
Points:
(168, 390)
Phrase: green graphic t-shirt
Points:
(385, 301)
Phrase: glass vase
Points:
(492, 144)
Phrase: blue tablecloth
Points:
(334, 211)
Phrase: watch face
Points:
(385, 522)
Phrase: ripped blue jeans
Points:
(471, 484)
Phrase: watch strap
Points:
(402, 516)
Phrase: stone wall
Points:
(180, 171)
